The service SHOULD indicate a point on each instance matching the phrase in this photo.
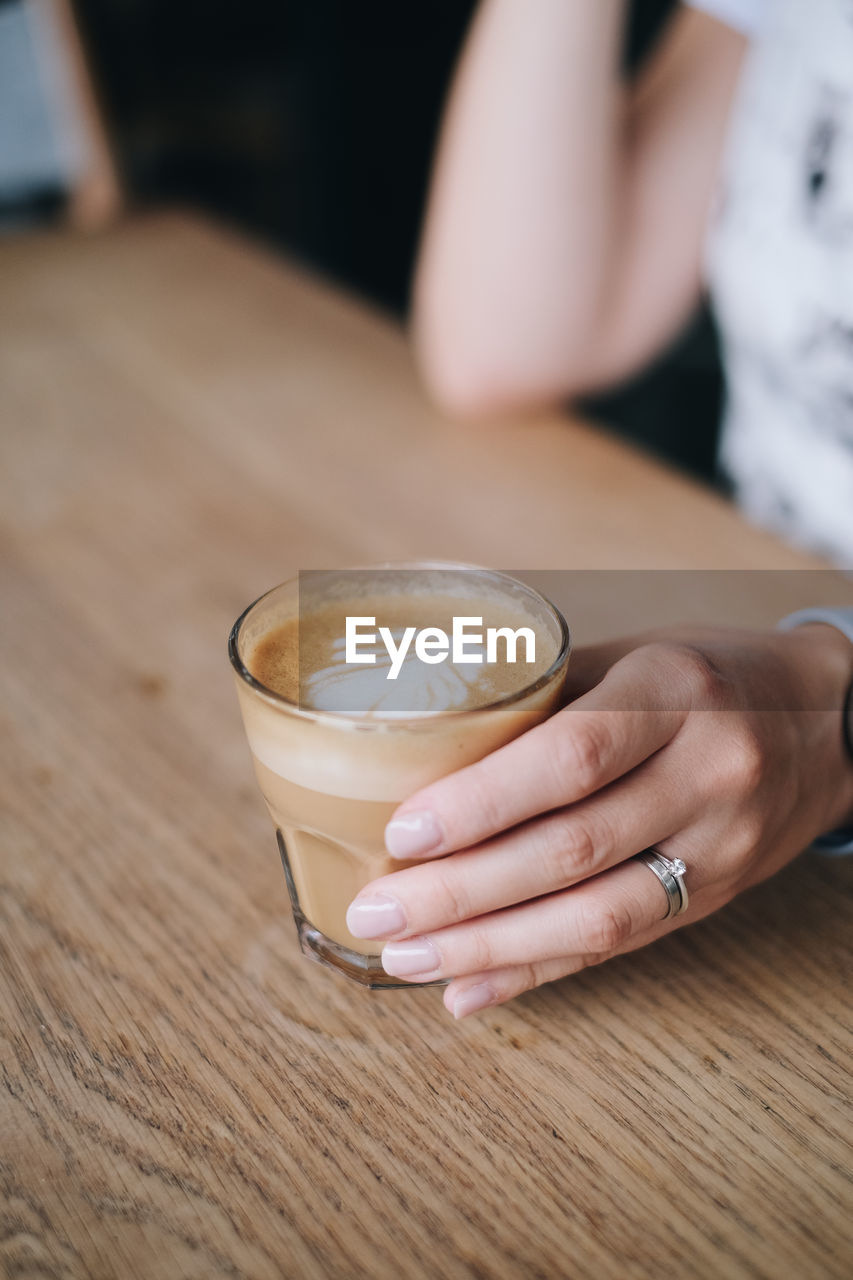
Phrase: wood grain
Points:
(185, 421)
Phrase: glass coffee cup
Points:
(337, 746)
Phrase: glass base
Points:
(366, 970)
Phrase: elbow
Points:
(470, 383)
(463, 389)
(477, 363)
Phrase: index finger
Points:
(603, 735)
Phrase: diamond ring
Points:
(670, 872)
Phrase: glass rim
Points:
(367, 720)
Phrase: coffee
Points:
(337, 745)
(304, 658)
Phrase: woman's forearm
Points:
(563, 240)
(521, 213)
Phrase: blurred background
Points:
(307, 123)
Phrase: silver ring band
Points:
(670, 872)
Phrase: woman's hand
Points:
(720, 747)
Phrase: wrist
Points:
(823, 658)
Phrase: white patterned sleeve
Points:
(742, 15)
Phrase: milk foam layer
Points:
(385, 760)
(303, 658)
(418, 689)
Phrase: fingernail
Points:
(413, 835)
(403, 959)
(479, 997)
(376, 916)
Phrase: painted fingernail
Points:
(404, 959)
(412, 835)
(376, 916)
(479, 997)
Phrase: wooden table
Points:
(185, 421)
